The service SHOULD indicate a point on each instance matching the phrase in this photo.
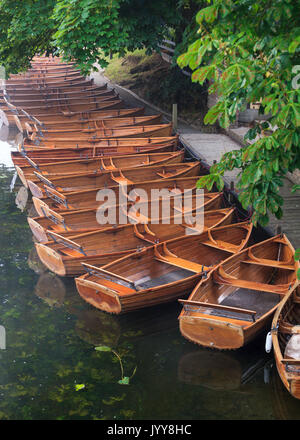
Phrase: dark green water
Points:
(51, 336)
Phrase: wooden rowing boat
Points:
(96, 118)
(90, 127)
(89, 198)
(44, 155)
(238, 299)
(31, 77)
(64, 106)
(102, 145)
(44, 72)
(54, 81)
(65, 256)
(60, 121)
(49, 101)
(159, 273)
(61, 85)
(87, 85)
(69, 223)
(62, 114)
(82, 139)
(84, 166)
(48, 93)
(285, 333)
(108, 178)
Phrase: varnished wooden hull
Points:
(285, 326)
(44, 156)
(77, 222)
(66, 108)
(88, 198)
(91, 125)
(148, 131)
(97, 146)
(77, 166)
(52, 101)
(208, 317)
(73, 118)
(108, 178)
(65, 257)
(101, 288)
(28, 94)
(67, 112)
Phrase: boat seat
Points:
(146, 235)
(165, 175)
(122, 180)
(121, 289)
(108, 167)
(270, 263)
(286, 264)
(219, 244)
(221, 277)
(172, 259)
(71, 252)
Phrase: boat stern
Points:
(21, 176)
(36, 191)
(212, 333)
(98, 295)
(51, 259)
(38, 231)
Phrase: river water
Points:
(50, 369)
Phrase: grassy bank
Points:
(155, 80)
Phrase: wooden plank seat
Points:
(147, 235)
(220, 244)
(105, 276)
(111, 165)
(70, 252)
(121, 179)
(285, 264)
(270, 263)
(71, 248)
(170, 258)
(199, 304)
(221, 277)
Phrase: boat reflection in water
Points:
(221, 371)
(94, 326)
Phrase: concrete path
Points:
(209, 148)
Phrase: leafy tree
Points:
(86, 31)
(25, 29)
(248, 50)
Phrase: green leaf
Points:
(79, 386)
(297, 254)
(124, 381)
(103, 348)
